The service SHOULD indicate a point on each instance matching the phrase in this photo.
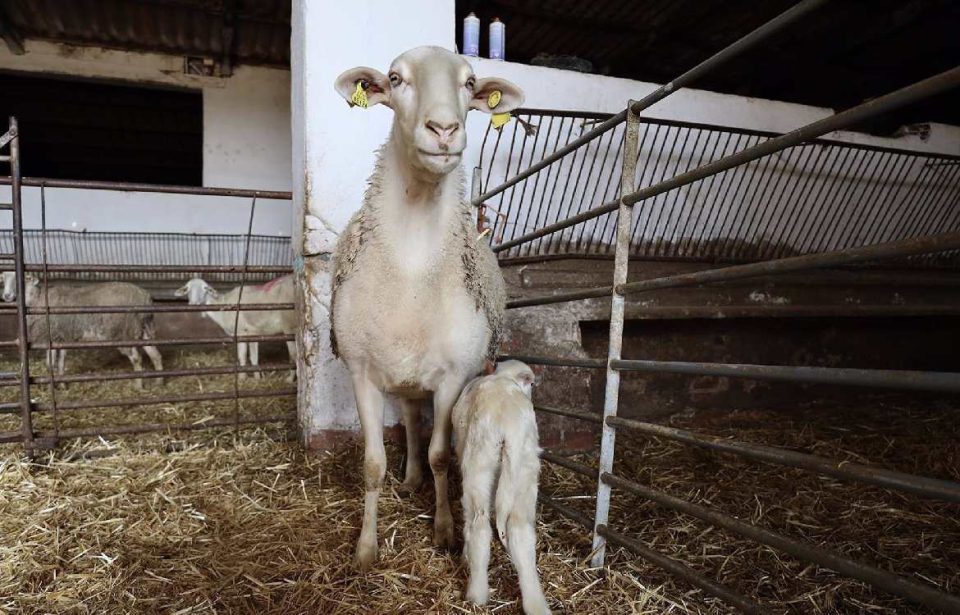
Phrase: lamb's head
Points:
(430, 91)
(519, 372)
(31, 286)
(197, 292)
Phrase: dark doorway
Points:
(78, 129)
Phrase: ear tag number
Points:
(359, 97)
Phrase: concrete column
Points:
(332, 157)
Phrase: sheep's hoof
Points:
(412, 483)
(257, 375)
(365, 557)
(478, 593)
(159, 382)
(443, 533)
(536, 605)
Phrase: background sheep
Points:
(266, 322)
(65, 328)
(496, 433)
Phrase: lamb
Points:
(496, 433)
(88, 327)
(417, 300)
(268, 322)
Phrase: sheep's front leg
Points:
(134, 355)
(370, 408)
(254, 349)
(292, 349)
(477, 484)
(156, 359)
(413, 478)
(242, 359)
(439, 455)
(61, 361)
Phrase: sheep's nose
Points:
(443, 130)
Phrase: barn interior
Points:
(196, 495)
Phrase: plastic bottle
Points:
(498, 39)
(471, 35)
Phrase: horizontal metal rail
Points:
(764, 31)
(845, 470)
(836, 258)
(177, 341)
(590, 417)
(880, 378)
(159, 269)
(81, 184)
(557, 362)
(164, 399)
(116, 430)
(570, 464)
(915, 592)
(674, 567)
(159, 309)
(904, 96)
(169, 373)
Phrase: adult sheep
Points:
(418, 300)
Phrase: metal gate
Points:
(107, 256)
(907, 201)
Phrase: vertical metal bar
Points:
(236, 317)
(612, 393)
(558, 237)
(51, 368)
(26, 418)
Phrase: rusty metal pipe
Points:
(160, 188)
(166, 399)
(888, 479)
(674, 567)
(177, 341)
(590, 417)
(115, 430)
(159, 309)
(880, 378)
(556, 362)
(159, 268)
(169, 373)
(915, 592)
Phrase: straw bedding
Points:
(246, 522)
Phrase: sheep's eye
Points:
(395, 79)
(471, 82)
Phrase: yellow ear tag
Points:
(494, 99)
(359, 97)
(499, 120)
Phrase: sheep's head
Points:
(197, 292)
(31, 285)
(520, 373)
(430, 91)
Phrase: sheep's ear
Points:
(31, 280)
(181, 292)
(210, 291)
(373, 83)
(511, 96)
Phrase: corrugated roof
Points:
(260, 28)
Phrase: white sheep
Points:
(418, 300)
(266, 322)
(64, 328)
(496, 435)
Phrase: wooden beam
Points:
(228, 30)
(10, 34)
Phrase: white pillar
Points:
(332, 157)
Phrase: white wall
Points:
(246, 144)
(333, 144)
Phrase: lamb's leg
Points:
(413, 478)
(370, 408)
(522, 545)
(254, 349)
(156, 360)
(52, 361)
(439, 456)
(242, 358)
(292, 349)
(477, 484)
(61, 355)
(134, 355)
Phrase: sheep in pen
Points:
(729, 413)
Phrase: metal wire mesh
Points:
(824, 195)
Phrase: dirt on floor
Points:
(238, 522)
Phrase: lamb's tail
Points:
(519, 470)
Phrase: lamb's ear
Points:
(210, 291)
(182, 291)
(511, 96)
(374, 83)
(31, 280)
